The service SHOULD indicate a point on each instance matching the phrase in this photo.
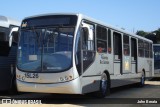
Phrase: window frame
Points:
(102, 36)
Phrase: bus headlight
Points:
(66, 78)
(61, 79)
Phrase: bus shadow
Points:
(84, 99)
(155, 79)
(7, 94)
(76, 99)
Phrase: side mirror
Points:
(11, 34)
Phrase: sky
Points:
(132, 15)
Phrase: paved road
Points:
(124, 94)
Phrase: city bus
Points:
(156, 48)
(8, 52)
(75, 54)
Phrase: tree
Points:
(141, 33)
(152, 37)
(157, 33)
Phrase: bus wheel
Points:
(104, 87)
(142, 81)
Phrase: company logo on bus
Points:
(24, 24)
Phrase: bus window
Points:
(146, 48)
(117, 46)
(126, 45)
(101, 39)
(109, 41)
(133, 49)
(140, 48)
(150, 51)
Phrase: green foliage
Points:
(141, 33)
(154, 36)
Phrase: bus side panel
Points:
(146, 64)
(141, 64)
(90, 79)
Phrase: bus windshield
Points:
(45, 49)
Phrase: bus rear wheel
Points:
(104, 89)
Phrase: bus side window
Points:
(140, 48)
(126, 45)
(117, 46)
(101, 39)
(151, 51)
(146, 48)
(109, 41)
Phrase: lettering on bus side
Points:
(104, 59)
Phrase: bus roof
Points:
(93, 20)
(6, 22)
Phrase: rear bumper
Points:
(71, 87)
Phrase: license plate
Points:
(31, 75)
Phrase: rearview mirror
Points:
(13, 32)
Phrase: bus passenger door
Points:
(88, 48)
(134, 55)
(117, 41)
(88, 69)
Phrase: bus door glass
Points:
(117, 40)
(134, 55)
(126, 54)
(88, 46)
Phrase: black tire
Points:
(104, 89)
(142, 80)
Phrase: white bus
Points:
(75, 54)
(156, 48)
(8, 52)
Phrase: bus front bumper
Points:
(71, 87)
